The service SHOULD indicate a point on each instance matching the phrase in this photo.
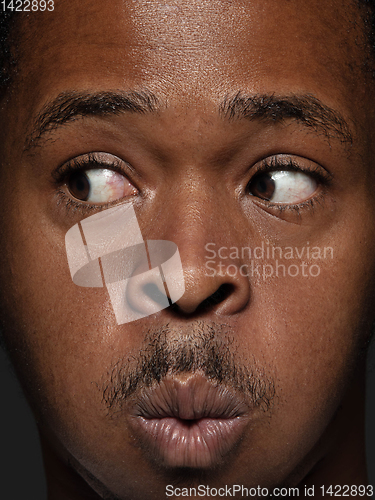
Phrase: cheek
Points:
(62, 340)
(314, 318)
(310, 332)
(48, 321)
(315, 327)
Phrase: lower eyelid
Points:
(73, 206)
(307, 206)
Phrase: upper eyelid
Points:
(92, 161)
(290, 163)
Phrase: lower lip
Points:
(200, 443)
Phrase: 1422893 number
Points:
(27, 5)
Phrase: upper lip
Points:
(191, 397)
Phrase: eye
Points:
(285, 186)
(100, 185)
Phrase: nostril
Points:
(221, 294)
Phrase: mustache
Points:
(210, 349)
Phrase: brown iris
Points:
(262, 186)
(79, 185)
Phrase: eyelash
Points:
(322, 176)
(89, 162)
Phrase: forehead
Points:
(193, 50)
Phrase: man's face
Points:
(256, 136)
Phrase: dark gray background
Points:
(21, 469)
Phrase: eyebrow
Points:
(306, 109)
(69, 106)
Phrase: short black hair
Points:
(368, 15)
(8, 58)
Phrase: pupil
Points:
(79, 186)
(262, 186)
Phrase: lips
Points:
(189, 422)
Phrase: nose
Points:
(212, 284)
(213, 288)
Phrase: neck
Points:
(343, 461)
(63, 482)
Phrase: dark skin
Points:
(190, 171)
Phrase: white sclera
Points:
(107, 185)
(292, 187)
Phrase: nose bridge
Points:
(199, 218)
